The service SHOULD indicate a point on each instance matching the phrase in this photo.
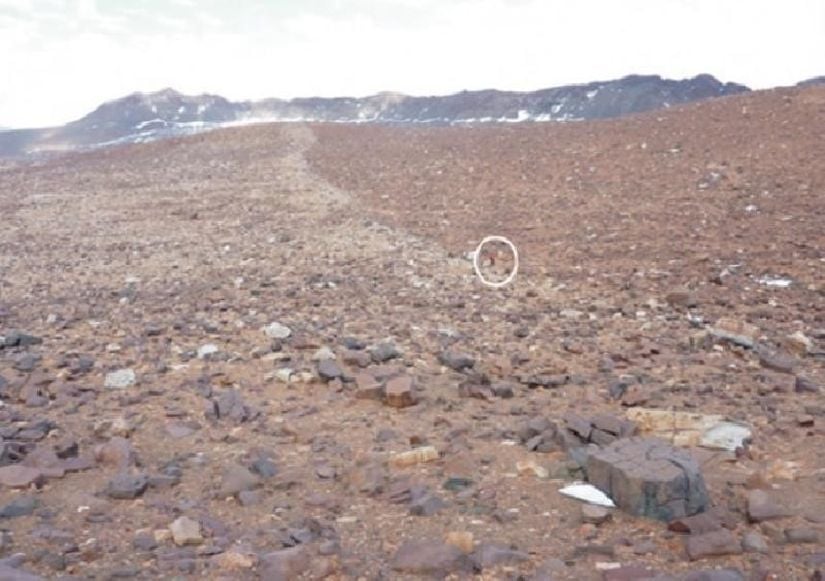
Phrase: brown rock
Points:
(593, 514)
(367, 386)
(778, 362)
(697, 524)
(425, 557)
(117, 452)
(186, 531)
(491, 555)
(237, 479)
(682, 298)
(399, 392)
(762, 506)
(712, 544)
(285, 565)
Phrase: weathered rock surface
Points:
(649, 477)
(426, 557)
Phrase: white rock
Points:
(205, 351)
(120, 379)
(323, 353)
(283, 375)
(186, 531)
(276, 330)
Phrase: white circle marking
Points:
(512, 275)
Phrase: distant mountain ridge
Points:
(141, 117)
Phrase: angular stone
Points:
(237, 479)
(399, 392)
(22, 506)
(425, 557)
(116, 452)
(17, 476)
(427, 505)
(328, 370)
(413, 457)
(286, 564)
(801, 535)
(682, 298)
(592, 514)
(120, 379)
(704, 522)
(779, 362)
(649, 477)
(276, 330)
(20, 339)
(489, 555)
(186, 531)
(737, 332)
(456, 360)
(753, 542)
(712, 544)
(762, 506)
(127, 486)
(368, 387)
(384, 352)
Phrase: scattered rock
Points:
(801, 535)
(593, 514)
(753, 542)
(120, 379)
(21, 506)
(649, 477)
(778, 362)
(276, 330)
(762, 506)
(286, 564)
(682, 298)
(237, 479)
(489, 555)
(800, 343)
(462, 540)
(704, 522)
(383, 352)
(413, 457)
(424, 557)
(18, 476)
(737, 332)
(328, 370)
(712, 544)
(186, 531)
(368, 387)
(207, 351)
(126, 486)
(400, 392)
(456, 360)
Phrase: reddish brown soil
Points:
(139, 256)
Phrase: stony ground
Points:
(263, 352)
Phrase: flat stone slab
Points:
(649, 477)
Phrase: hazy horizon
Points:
(67, 57)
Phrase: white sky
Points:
(60, 59)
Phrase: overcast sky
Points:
(60, 59)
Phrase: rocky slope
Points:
(263, 353)
(146, 117)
